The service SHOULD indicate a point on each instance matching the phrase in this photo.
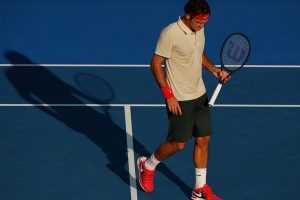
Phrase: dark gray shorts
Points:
(195, 120)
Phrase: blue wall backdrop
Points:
(125, 32)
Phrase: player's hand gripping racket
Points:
(234, 54)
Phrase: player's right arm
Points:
(218, 73)
(160, 77)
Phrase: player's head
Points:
(16, 57)
(197, 13)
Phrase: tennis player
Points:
(180, 47)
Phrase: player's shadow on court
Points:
(37, 85)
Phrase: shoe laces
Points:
(208, 194)
(147, 175)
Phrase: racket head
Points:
(97, 89)
(235, 52)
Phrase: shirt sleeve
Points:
(164, 44)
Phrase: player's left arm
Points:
(217, 72)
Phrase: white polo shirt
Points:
(183, 51)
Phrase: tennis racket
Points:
(234, 54)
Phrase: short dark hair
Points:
(195, 7)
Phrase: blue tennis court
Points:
(57, 143)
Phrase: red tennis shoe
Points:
(145, 176)
(204, 193)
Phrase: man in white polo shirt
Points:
(180, 47)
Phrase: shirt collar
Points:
(185, 29)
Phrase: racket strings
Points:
(235, 52)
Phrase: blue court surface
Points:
(79, 104)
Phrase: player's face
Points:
(194, 23)
(197, 24)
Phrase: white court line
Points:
(73, 65)
(130, 153)
(130, 65)
(80, 105)
(256, 106)
(152, 105)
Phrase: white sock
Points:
(200, 177)
(151, 162)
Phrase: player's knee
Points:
(203, 142)
(179, 145)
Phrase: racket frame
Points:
(223, 68)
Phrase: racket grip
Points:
(215, 95)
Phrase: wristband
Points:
(167, 92)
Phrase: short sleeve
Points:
(164, 44)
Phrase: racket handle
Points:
(215, 95)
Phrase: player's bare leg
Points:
(146, 166)
(201, 189)
(201, 151)
(168, 149)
